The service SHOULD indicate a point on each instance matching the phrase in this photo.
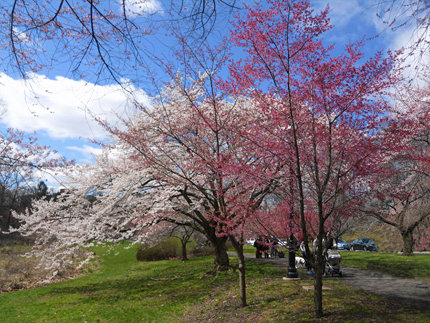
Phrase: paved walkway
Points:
(415, 293)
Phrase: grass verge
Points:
(124, 290)
(415, 267)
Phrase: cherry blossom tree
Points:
(189, 139)
(101, 203)
(402, 201)
(272, 219)
(423, 239)
(184, 234)
(109, 201)
(182, 161)
(401, 189)
(326, 113)
(21, 153)
(21, 159)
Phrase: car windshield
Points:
(368, 241)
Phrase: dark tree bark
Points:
(408, 242)
(242, 269)
(221, 260)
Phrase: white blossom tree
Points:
(22, 160)
(181, 161)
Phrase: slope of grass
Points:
(416, 267)
(124, 290)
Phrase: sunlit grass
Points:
(124, 290)
(416, 267)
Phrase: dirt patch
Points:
(19, 272)
(219, 307)
(311, 287)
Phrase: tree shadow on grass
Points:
(179, 287)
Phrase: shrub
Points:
(202, 251)
(171, 248)
(162, 251)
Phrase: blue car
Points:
(342, 244)
(364, 244)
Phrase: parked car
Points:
(342, 244)
(364, 244)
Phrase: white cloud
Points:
(351, 19)
(21, 36)
(405, 32)
(87, 151)
(62, 107)
(342, 12)
(141, 7)
(415, 41)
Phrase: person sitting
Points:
(273, 247)
(258, 244)
(307, 263)
(331, 244)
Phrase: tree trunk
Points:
(221, 260)
(242, 282)
(238, 246)
(184, 250)
(318, 272)
(408, 242)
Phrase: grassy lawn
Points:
(246, 250)
(417, 266)
(251, 250)
(124, 290)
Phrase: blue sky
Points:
(57, 107)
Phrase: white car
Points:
(250, 241)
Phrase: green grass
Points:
(246, 250)
(416, 267)
(124, 290)
(251, 250)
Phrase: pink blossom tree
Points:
(182, 161)
(326, 113)
(189, 140)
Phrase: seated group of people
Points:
(330, 244)
(266, 247)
